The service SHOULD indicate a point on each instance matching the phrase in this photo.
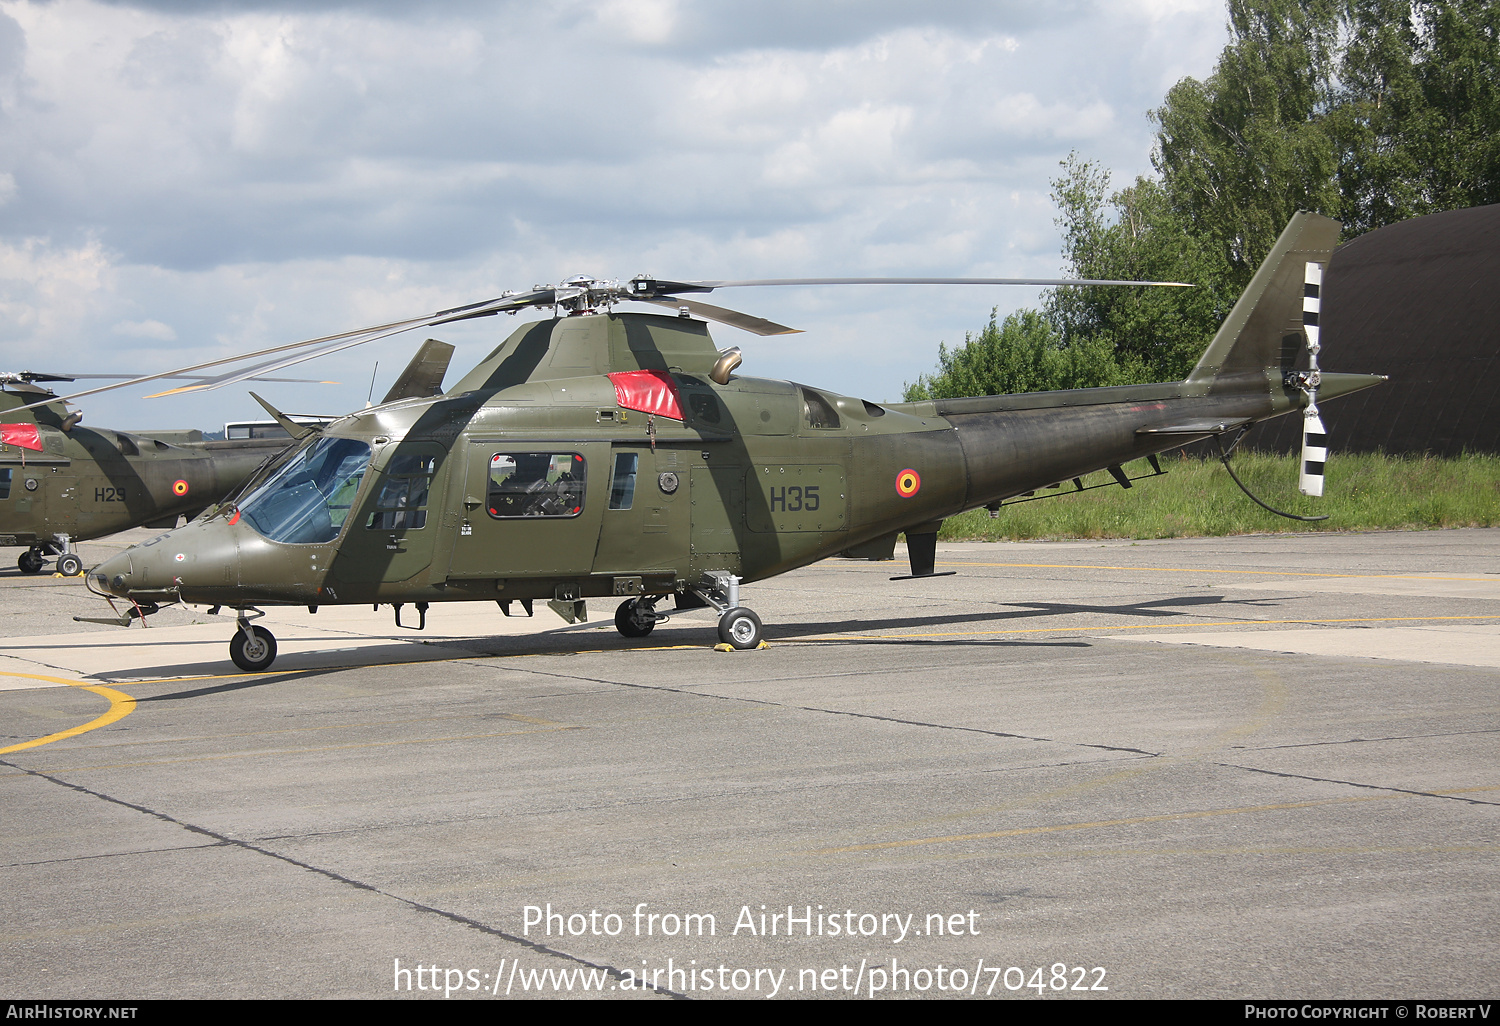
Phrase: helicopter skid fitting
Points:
(421, 616)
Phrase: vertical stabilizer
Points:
(424, 375)
(1249, 340)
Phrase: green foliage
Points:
(1024, 353)
(1156, 334)
(1418, 110)
(1365, 492)
(1242, 152)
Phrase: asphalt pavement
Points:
(1248, 767)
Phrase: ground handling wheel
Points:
(30, 562)
(253, 650)
(632, 621)
(740, 627)
(69, 565)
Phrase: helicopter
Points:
(61, 483)
(615, 455)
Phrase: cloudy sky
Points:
(183, 179)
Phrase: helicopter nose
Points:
(114, 575)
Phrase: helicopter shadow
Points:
(1021, 611)
(241, 685)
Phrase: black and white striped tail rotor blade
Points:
(1314, 453)
(1314, 437)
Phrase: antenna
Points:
(371, 396)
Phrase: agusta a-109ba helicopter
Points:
(619, 456)
(63, 483)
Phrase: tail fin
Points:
(1250, 339)
(423, 377)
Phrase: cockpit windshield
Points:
(308, 499)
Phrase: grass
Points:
(1196, 498)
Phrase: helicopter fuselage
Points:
(616, 454)
(554, 487)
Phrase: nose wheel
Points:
(31, 562)
(252, 648)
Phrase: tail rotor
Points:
(1314, 437)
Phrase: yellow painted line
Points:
(1165, 818)
(1142, 627)
(121, 705)
(1199, 570)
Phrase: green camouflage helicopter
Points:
(612, 455)
(62, 483)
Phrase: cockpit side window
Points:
(402, 503)
(307, 501)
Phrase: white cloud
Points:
(210, 177)
(48, 292)
(146, 329)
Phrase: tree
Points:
(1418, 109)
(1155, 333)
(1021, 354)
(1243, 151)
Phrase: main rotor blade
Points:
(536, 297)
(733, 318)
(705, 285)
(251, 373)
(196, 377)
(346, 339)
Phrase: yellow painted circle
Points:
(179, 487)
(908, 483)
(120, 706)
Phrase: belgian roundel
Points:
(179, 487)
(908, 483)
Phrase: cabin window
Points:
(536, 484)
(308, 500)
(622, 484)
(5, 483)
(402, 502)
(705, 407)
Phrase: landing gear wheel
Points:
(31, 562)
(628, 620)
(69, 565)
(740, 627)
(254, 651)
